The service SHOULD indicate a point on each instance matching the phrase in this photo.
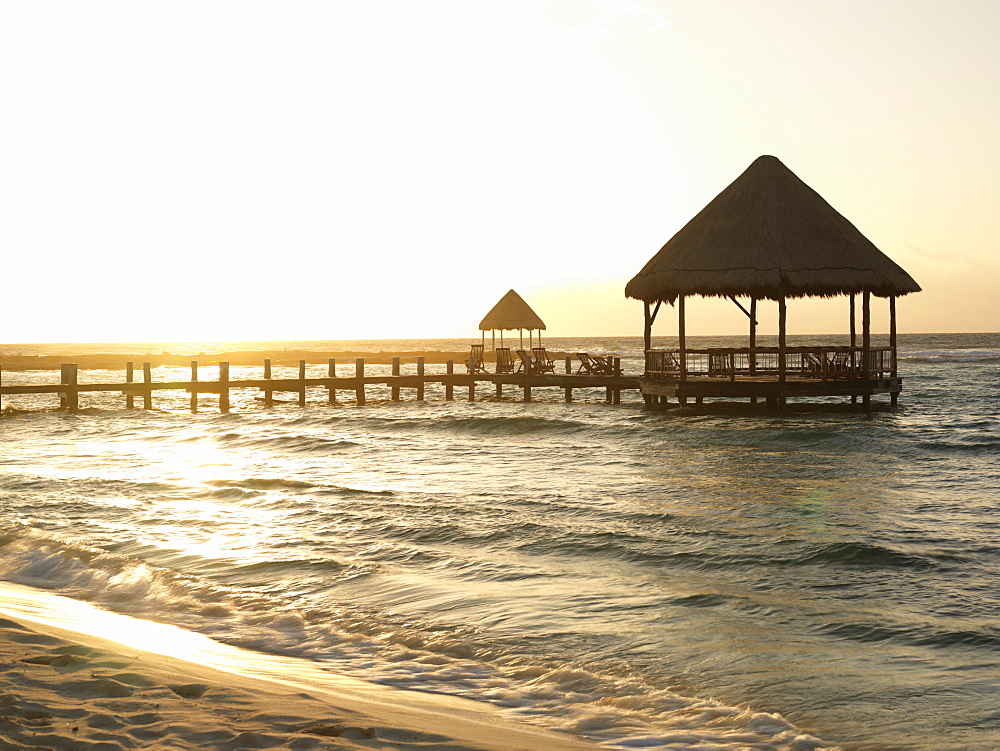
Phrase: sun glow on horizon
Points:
(200, 171)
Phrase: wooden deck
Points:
(770, 373)
(69, 387)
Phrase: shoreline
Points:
(75, 675)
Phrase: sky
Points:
(212, 170)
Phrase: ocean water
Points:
(644, 580)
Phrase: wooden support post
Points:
(147, 379)
(617, 362)
(569, 366)
(268, 394)
(194, 385)
(359, 374)
(568, 391)
(302, 383)
(420, 375)
(893, 396)
(854, 333)
(499, 386)
(223, 387)
(607, 395)
(866, 334)
(647, 330)
(395, 372)
(331, 372)
(449, 388)
(472, 389)
(129, 397)
(782, 331)
(681, 339)
(854, 342)
(753, 335)
(527, 393)
(70, 398)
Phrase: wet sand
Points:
(64, 688)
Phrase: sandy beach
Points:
(62, 688)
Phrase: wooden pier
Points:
(69, 387)
(772, 374)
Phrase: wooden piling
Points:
(129, 397)
(472, 389)
(194, 385)
(359, 373)
(268, 394)
(782, 319)
(224, 387)
(331, 371)
(568, 394)
(449, 389)
(420, 375)
(302, 383)
(499, 386)
(527, 393)
(618, 371)
(69, 399)
(395, 372)
(147, 379)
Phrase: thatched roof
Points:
(512, 312)
(768, 235)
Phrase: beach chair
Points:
(525, 365)
(594, 364)
(475, 362)
(587, 364)
(812, 363)
(541, 361)
(603, 365)
(718, 363)
(505, 363)
(839, 364)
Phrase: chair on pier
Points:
(541, 360)
(505, 362)
(718, 363)
(525, 365)
(475, 362)
(840, 364)
(812, 363)
(593, 364)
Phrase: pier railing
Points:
(826, 363)
(140, 384)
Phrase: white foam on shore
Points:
(686, 722)
(439, 721)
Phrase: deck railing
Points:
(827, 363)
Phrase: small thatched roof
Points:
(512, 312)
(768, 235)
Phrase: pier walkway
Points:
(69, 387)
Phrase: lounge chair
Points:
(505, 363)
(604, 364)
(718, 363)
(541, 360)
(525, 366)
(840, 364)
(812, 363)
(475, 362)
(593, 364)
